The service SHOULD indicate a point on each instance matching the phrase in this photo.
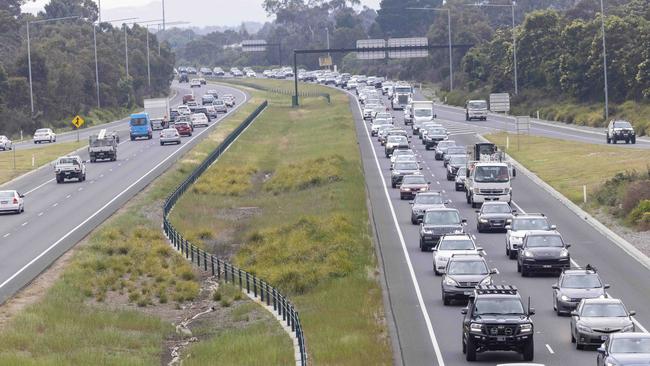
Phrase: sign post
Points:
(77, 122)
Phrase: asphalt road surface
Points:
(57, 216)
(429, 333)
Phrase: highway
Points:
(429, 333)
(57, 216)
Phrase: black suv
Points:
(400, 170)
(437, 222)
(620, 131)
(495, 320)
(543, 251)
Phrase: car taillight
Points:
(15, 201)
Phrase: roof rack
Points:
(496, 290)
(588, 267)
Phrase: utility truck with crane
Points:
(489, 175)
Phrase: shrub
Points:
(231, 181)
(635, 193)
(640, 215)
(306, 174)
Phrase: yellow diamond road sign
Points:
(77, 121)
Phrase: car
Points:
(574, 285)
(405, 158)
(183, 78)
(195, 83)
(69, 167)
(183, 128)
(594, 320)
(459, 181)
(543, 251)
(220, 106)
(519, 225)
(395, 142)
(374, 127)
(401, 152)
(11, 201)
(170, 136)
(437, 222)
(44, 135)
(229, 100)
(199, 119)
(393, 131)
(433, 136)
(382, 131)
(424, 201)
(625, 349)
(450, 244)
(207, 99)
(495, 319)
(203, 81)
(424, 129)
(402, 169)
(454, 163)
(619, 130)
(412, 184)
(463, 273)
(453, 151)
(5, 143)
(386, 115)
(369, 111)
(442, 147)
(211, 112)
(212, 92)
(493, 216)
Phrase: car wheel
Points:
(633, 140)
(573, 339)
(529, 351)
(609, 141)
(513, 254)
(422, 247)
(479, 228)
(161, 143)
(507, 250)
(467, 198)
(445, 299)
(524, 271)
(435, 270)
(518, 267)
(471, 350)
(414, 221)
(579, 346)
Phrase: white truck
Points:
(69, 167)
(422, 111)
(476, 109)
(402, 94)
(158, 110)
(489, 176)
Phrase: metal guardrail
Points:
(220, 268)
(326, 96)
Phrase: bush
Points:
(306, 174)
(635, 194)
(231, 181)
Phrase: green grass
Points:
(126, 257)
(568, 165)
(298, 219)
(23, 158)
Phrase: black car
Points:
(437, 222)
(495, 319)
(463, 273)
(543, 251)
(574, 285)
(452, 151)
(400, 170)
(493, 216)
(454, 163)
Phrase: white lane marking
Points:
(40, 214)
(550, 350)
(80, 189)
(55, 204)
(437, 182)
(91, 217)
(423, 308)
(6, 235)
(101, 175)
(34, 189)
(68, 196)
(473, 236)
(25, 223)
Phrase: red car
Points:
(187, 98)
(183, 128)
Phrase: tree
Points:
(86, 9)
(396, 20)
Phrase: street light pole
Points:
(602, 28)
(163, 14)
(96, 64)
(126, 51)
(514, 49)
(148, 63)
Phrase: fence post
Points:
(248, 285)
(218, 269)
(255, 286)
(212, 264)
(240, 280)
(205, 261)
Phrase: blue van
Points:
(140, 126)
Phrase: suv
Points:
(574, 285)
(495, 320)
(400, 170)
(69, 167)
(424, 201)
(395, 142)
(463, 273)
(543, 251)
(620, 131)
(437, 222)
(441, 148)
(519, 226)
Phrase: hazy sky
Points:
(198, 12)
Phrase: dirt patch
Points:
(237, 213)
(640, 239)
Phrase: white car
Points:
(5, 143)
(374, 127)
(229, 99)
(251, 74)
(195, 83)
(402, 152)
(199, 119)
(452, 244)
(519, 226)
(11, 201)
(44, 135)
(170, 136)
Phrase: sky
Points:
(198, 12)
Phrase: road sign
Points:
(254, 45)
(371, 43)
(78, 121)
(325, 61)
(406, 43)
(500, 102)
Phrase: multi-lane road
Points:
(429, 333)
(57, 216)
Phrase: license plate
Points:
(468, 293)
(501, 338)
(4, 202)
(547, 266)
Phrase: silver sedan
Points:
(169, 136)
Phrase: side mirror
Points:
(494, 271)
(391, 168)
(508, 227)
(602, 350)
(607, 285)
(514, 172)
(567, 245)
(553, 227)
(632, 313)
(463, 311)
(477, 211)
(574, 313)
(447, 202)
(21, 195)
(420, 168)
(531, 311)
(411, 202)
(555, 287)
(514, 210)
(464, 221)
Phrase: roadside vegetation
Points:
(42, 155)
(116, 299)
(295, 214)
(617, 179)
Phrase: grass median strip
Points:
(23, 158)
(287, 202)
(116, 299)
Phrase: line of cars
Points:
(496, 317)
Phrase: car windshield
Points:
(436, 131)
(481, 104)
(398, 139)
(6, 194)
(448, 143)
(138, 121)
(381, 121)
(414, 179)
(406, 166)
(492, 174)
(505, 306)
(542, 241)
(67, 161)
(622, 124)
(403, 152)
(461, 172)
(429, 199)
(498, 208)
(456, 244)
(218, 102)
(467, 268)
(43, 130)
(423, 113)
(603, 310)
(456, 150)
(630, 345)
(530, 224)
(458, 160)
(402, 89)
(442, 218)
(581, 281)
(182, 124)
(384, 115)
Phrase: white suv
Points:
(452, 244)
(519, 226)
(44, 135)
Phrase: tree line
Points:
(63, 66)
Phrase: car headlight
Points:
(506, 190)
(483, 221)
(564, 253)
(476, 191)
(583, 328)
(611, 363)
(427, 231)
(450, 281)
(516, 239)
(486, 281)
(528, 254)
(423, 189)
(565, 298)
(629, 328)
(474, 327)
(525, 328)
(407, 189)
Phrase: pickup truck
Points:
(102, 146)
(69, 167)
